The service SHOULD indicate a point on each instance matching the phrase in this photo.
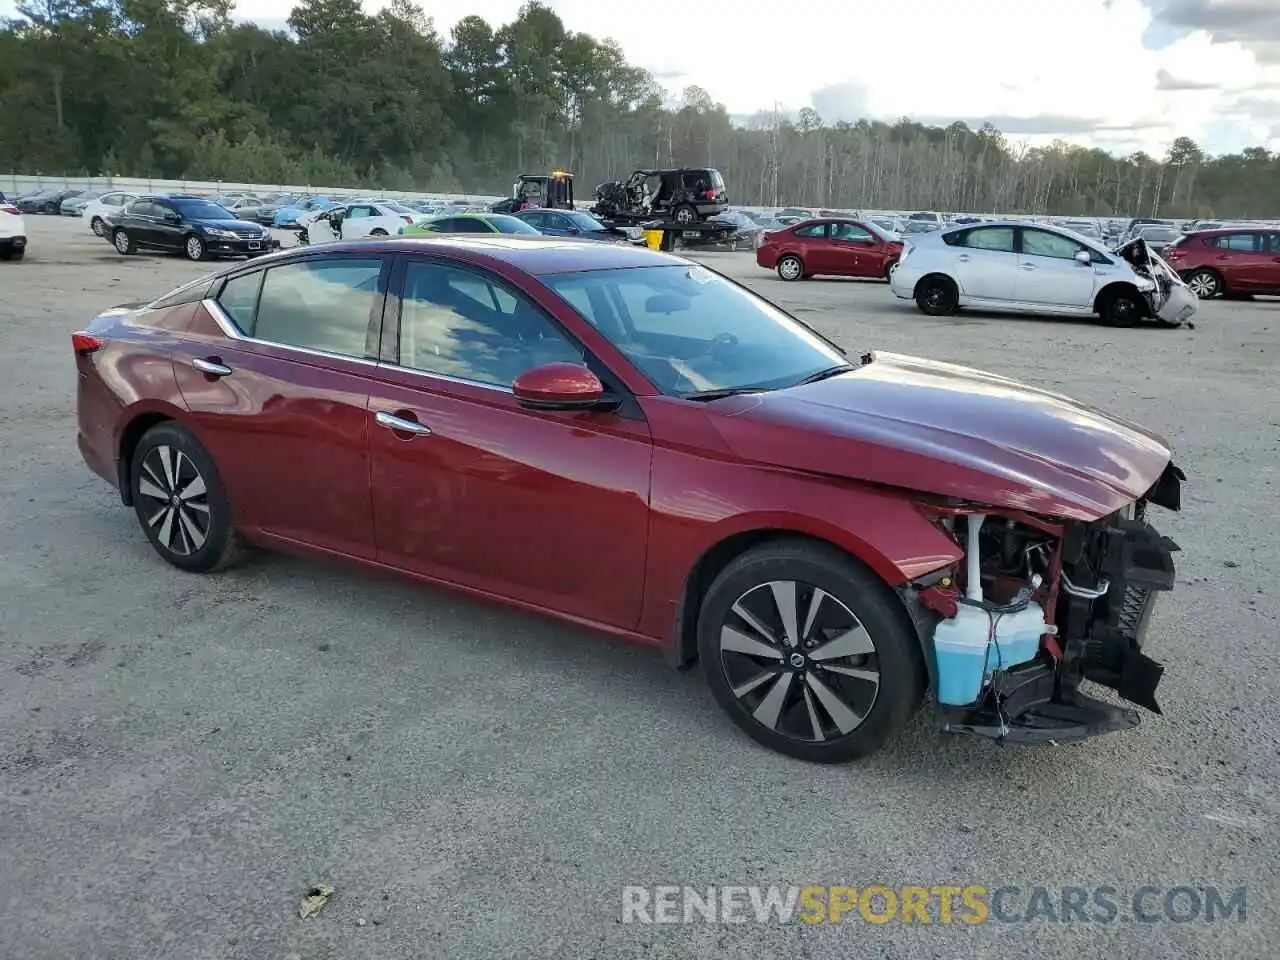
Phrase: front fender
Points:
(699, 503)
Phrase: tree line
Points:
(177, 89)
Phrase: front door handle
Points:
(1028, 266)
(401, 424)
(963, 258)
(213, 368)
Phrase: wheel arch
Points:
(1114, 287)
(682, 648)
(134, 424)
(1222, 277)
(935, 275)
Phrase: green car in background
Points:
(469, 223)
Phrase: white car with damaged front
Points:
(1022, 267)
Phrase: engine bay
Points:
(1039, 607)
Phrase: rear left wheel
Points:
(805, 651)
(180, 502)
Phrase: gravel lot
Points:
(181, 757)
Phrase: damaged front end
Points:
(1039, 607)
(1170, 300)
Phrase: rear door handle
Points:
(963, 258)
(1027, 266)
(213, 368)
(401, 424)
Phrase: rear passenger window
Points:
(813, 230)
(998, 239)
(320, 305)
(239, 297)
(1240, 242)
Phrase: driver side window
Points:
(1042, 243)
(470, 326)
(850, 232)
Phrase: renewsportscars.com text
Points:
(938, 904)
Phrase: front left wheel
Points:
(194, 248)
(180, 502)
(809, 653)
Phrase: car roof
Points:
(535, 255)
(1221, 231)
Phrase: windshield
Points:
(202, 210)
(584, 221)
(512, 225)
(689, 330)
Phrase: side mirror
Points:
(1084, 257)
(171, 217)
(558, 386)
(575, 231)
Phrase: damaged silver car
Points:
(1037, 268)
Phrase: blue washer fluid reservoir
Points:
(975, 643)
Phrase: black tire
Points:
(860, 607)
(1205, 283)
(685, 214)
(1121, 307)
(790, 268)
(123, 242)
(194, 247)
(96, 226)
(16, 255)
(937, 296)
(200, 538)
(12, 253)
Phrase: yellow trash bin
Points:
(653, 239)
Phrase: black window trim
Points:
(389, 343)
(377, 313)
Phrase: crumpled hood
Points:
(948, 430)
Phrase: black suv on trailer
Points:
(685, 195)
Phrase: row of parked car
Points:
(1034, 267)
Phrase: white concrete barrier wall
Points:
(15, 184)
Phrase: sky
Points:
(1119, 74)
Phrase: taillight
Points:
(708, 195)
(85, 343)
(14, 210)
(406, 219)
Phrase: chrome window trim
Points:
(227, 326)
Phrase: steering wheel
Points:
(721, 345)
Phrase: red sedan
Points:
(627, 440)
(832, 247)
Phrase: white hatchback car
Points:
(104, 208)
(1036, 268)
(13, 232)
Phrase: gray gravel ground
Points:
(181, 757)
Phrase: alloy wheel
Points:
(790, 268)
(177, 499)
(1203, 284)
(195, 249)
(799, 661)
(122, 241)
(936, 297)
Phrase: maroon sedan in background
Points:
(831, 247)
(630, 441)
